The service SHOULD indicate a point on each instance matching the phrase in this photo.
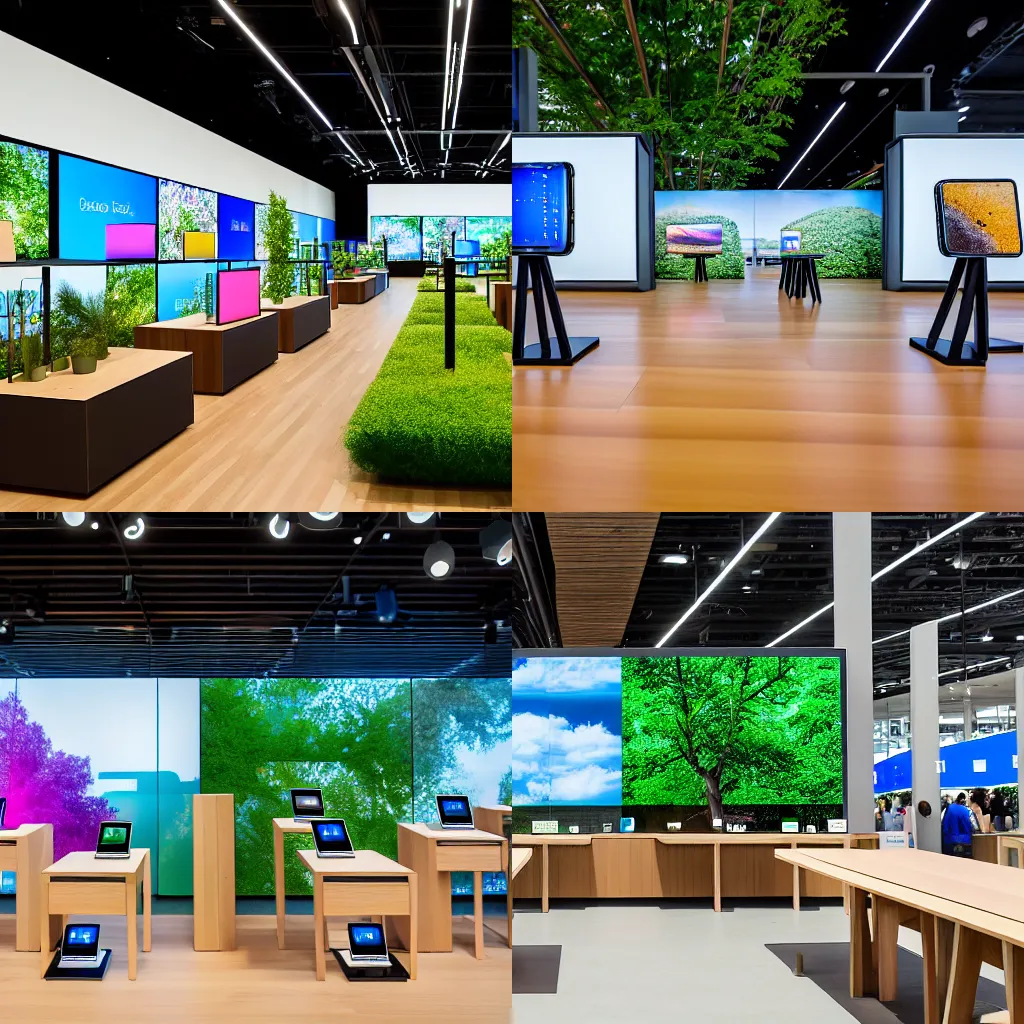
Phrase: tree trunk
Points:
(712, 784)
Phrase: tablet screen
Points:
(331, 836)
(307, 803)
(454, 810)
(367, 940)
(114, 837)
(81, 940)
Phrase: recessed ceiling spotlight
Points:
(420, 518)
(133, 526)
(963, 110)
(73, 518)
(976, 26)
(675, 559)
(439, 560)
(320, 520)
(496, 541)
(987, 637)
(94, 525)
(357, 539)
(386, 536)
(279, 525)
(884, 91)
(846, 86)
(1020, 636)
(962, 117)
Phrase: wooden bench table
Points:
(26, 850)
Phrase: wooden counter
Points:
(26, 850)
(301, 319)
(624, 865)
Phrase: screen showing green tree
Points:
(25, 198)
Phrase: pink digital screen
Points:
(131, 242)
(238, 295)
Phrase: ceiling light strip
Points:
(971, 668)
(956, 615)
(447, 68)
(800, 159)
(903, 35)
(761, 530)
(462, 67)
(800, 625)
(351, 23)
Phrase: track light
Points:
(420, 518)
(496, 541)
(675, 559)
(133, 526)
(73, 519)
(279, 525)
(6, 631)
(321, 520)
(439, 560)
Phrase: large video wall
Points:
(844, 225)
(76, 751)
(749, 738)
(420, 238)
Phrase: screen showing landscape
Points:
(978, 218)
(405, 242)
(25, 198)
(751, 738)
(693, 239)
(183, 208)
(236, 228)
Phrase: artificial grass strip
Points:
(421, 423)
(428, 284)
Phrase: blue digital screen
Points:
(326, 230)
(366, 935)
(181, 287)
(93, 195)
(540, 208)
(331, 833)
(83, 935)
(236, 228)
(455, 808)
(306, 226)
(468, 247)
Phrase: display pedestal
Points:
(700, 268)
(957, 350)
(396, 972)
(301, 319)
(86, 429)
(380, 280)
(354, 290)
(223, 355)
(213, 869)
(56, 973)
(503, 303)
(800, 275)
(570, 350)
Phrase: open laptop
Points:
(367, 946)
(80, 946)
(307, 804)
(114, 840)
(455, 811)
(331, 838)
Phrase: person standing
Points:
(958, 826)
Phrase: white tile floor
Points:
(682, 964)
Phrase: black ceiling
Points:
(989, 63)
(216, 594)
(191, 58)
(788, 575)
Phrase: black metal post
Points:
(449, 313)
(46, 316)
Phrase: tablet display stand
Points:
(700, 267)
(354, 972)
(957, 350)
(540, 353)
(57, 973)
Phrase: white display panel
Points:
(930, 160)
(605, 203)
(440, 200)
(60, 106)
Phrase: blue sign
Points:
(93, 195)
(236, 228)
(980, 763)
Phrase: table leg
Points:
(963, 978)
(45, 930)
(508, 891)
(318, 927)
(478, 914)
(943, 958)
(717, 880)
(931, 992)
(544, 880)
(279, 884)
(131, 899)
(863, 980)
(147, 905)
(796, 886)
(413, 925)
(1013, 974)
(886, 940)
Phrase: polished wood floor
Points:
(275, 440)
(728, 395)
(256, 983)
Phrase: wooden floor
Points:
(728, 395)
(275, 440)
(255, 983)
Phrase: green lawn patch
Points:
(421, 423)
(430, 284)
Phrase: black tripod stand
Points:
(538, 269)
(958, 351)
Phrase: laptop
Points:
(80, 946)
(367, 946)
(114, 840)
(331, 838)
(454, 811)
(307, 804)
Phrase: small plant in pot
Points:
(32, 358)
(80, 325)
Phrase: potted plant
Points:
(342, 260)
(80, 325)
(33, 368)
(280, 274)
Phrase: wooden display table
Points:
(380, 280)
(503, 303)
(367, 884)
(213, 870)
(301, 319)
(800, 275)
(520, 858)
(281, 826)
(26, 850)
(494, 819)
(654, 865)
(434, 854)
(82, 883)
(994, 847)
(88, 428)
(223, 355)
(354, 289)
(967, 913)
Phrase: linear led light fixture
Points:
(345, 143)
(956, 615)
(903, 35)
(756, 536)
(886, 569)
(351, 23)
(447, 68)
(800, 160)
(369, 94)
(462, 68)
(971, 668)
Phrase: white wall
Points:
(55, 105)
(440, 200)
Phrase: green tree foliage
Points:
(731, 730)
(731, 263)
(714, 123)
(279, 278)
(849, 236)
(131, 297)
(498, 248)
(25, 198)
(80, 325)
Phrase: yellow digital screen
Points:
(200, 245)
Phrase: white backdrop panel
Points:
(438, 200)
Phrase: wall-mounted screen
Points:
(181, 288)
(236, 228)
(131, 241)
(25, 199)
(262, 212)
(690, 736)
(326, 230)
(131, 300)
(306, 228)
(437, 235)
(238, 295)
(542, 208)
(183, 208)
(405, 242)
(21, 314)
(93, 195)
(199, 245)
(978, 218)
(789, 241)
(693, 239)
(488, 230)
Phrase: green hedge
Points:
(731, 263)
(849, 236)
(429, 284)
(421, 423)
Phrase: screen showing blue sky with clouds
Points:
(567, 731)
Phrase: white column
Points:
(924, 731)
(968, 719)
(1018, 700)
(851, 573)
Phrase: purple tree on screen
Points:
(46, 785)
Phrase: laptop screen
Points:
(307, 803)
(454, 810)
(81, 940)
(331, 836)
(367, 940)
(114, 837)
